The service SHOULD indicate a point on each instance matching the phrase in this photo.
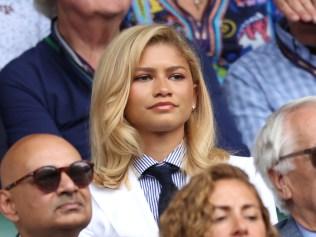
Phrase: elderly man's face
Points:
(301, 182)
(65, 208)
(107, 8)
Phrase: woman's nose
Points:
(240, 226)
(161, 87)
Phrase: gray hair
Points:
(46, 7)
(275, 140)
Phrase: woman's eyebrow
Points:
(248, 206)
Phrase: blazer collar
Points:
(126, 207)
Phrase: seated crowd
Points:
(111, 129)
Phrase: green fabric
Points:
(7, 229)
(281, 215)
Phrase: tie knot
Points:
(162, 172)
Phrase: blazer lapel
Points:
(127, 208)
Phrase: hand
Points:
(298, 10)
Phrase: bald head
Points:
(64, 211)
(32, 152)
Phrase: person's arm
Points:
(23, 104)
(296, 10)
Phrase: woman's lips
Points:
(163, 105)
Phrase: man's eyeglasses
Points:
(311, 152)
(47, 178)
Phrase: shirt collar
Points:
(305, 232)
(74, 56)
(175, 157)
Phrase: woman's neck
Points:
(159, 145)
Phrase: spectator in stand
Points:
(220, 201)
(285, 155)
(223, 29)
(45, 187)
(201, 22)
(151, 129)
(260, 82)
(48, 88)
(21, 27)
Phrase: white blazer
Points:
(124, 212)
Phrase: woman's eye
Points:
(252, 217)
(142, 78)
(218, 219)
(177, 77)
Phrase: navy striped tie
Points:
(162, 172)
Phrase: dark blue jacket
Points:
(227, 135)
(43, 91)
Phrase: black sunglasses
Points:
(47, 178)
(311, 152)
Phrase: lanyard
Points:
(295, 58)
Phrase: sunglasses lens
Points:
(47, 179)
(81, 173)
(313, 157)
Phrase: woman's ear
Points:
(281, 184)
(7, 206)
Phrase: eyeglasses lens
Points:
(47, 178)
(81, 174)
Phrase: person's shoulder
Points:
(241, 160)
(30, 60)
(244, 163)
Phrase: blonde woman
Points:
(151, 129)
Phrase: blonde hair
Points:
(190, 211)
(114, 141)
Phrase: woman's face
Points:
(236, 211)
(162, 92)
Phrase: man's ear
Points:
(7, 206)
(281, 184)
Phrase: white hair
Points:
(276, 139)
(46, 7)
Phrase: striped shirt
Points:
(150, 185)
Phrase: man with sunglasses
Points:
(285, 155)
(45, 187)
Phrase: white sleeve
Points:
(99, 225)
(247, 165)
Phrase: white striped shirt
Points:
(150, 185)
